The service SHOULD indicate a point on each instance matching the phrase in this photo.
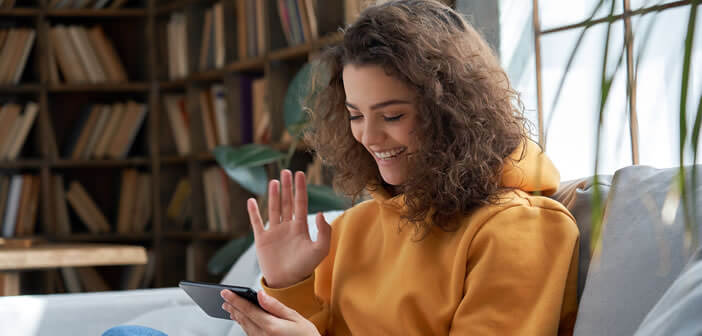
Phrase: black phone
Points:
(207, 296)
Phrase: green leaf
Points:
(226, 256)
(245, 165)
(323, 198)
(250, 155)
(253, 179)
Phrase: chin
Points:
(393, 180)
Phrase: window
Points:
(659, 28)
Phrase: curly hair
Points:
(469, 118)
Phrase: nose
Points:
(373, 134)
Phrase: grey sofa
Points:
(643, 251)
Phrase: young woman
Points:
(456, 239)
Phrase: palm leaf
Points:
(690, 228)
(245, 165)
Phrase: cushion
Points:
(678, 311)
(577, 196)
(642, 252)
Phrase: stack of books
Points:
(83, 55)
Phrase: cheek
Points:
(357, 132)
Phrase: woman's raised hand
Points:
(286, 253)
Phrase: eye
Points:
(395, 118)
(354, 117)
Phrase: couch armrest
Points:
(81, 313)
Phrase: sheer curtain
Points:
(571, 121)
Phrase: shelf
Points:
(22, 88)
(179, 5)
(303, 50)
(174, 84)
(19, 12)
(101, 87)
(174, 159)
(31, 163)
(108, 237)
(101, 13)
(67, 163)
(200, 235)
(249, 64)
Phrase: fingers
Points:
(287, 195)
(244, 321)
(254, 217)
(277, 308)
(324, 233)
(244, 307)
(273, 203)
(301, 201)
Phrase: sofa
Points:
(644, 248)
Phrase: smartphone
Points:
(207, 296)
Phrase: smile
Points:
(389, 155)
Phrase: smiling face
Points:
(382, 115)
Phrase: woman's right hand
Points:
(286, 253)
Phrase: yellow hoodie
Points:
(510, 269)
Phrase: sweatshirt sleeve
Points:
(522, 275)
(311, 297)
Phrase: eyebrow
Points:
(381, 105)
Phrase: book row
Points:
(83, 55)
(106, 130)
(15, 45)
(19, 121)
(19, 201)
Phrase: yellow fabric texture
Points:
(510, 269)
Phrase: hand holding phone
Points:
(207, 296)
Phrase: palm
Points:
(285, 250)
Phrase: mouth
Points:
(389, 155)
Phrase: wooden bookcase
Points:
(136, 33)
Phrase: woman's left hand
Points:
(276, 319)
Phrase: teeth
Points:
(389, 154)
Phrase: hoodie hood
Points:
(534, 173)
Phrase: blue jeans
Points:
(132, 330)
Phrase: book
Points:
(4, 191)
(97, 131)
(111, 130)
(142, 212)
(8, 116)
(91, 279)
(246, 109)
(206, 40)
(63, 223)
(177, 120)
(86, 208)
(218, 27)
(86, 131)
(19, 65)
(127, 200)
(78, 126)
(13, 198)
(177, 207)
(208, 122)
(66, 55)
(26, 121)
(71, 279)
(107, 55)
(219, 108)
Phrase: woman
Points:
(454, 241)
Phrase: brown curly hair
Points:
(470, 119)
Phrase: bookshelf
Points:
(138, 32)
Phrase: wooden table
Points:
(48, 255)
